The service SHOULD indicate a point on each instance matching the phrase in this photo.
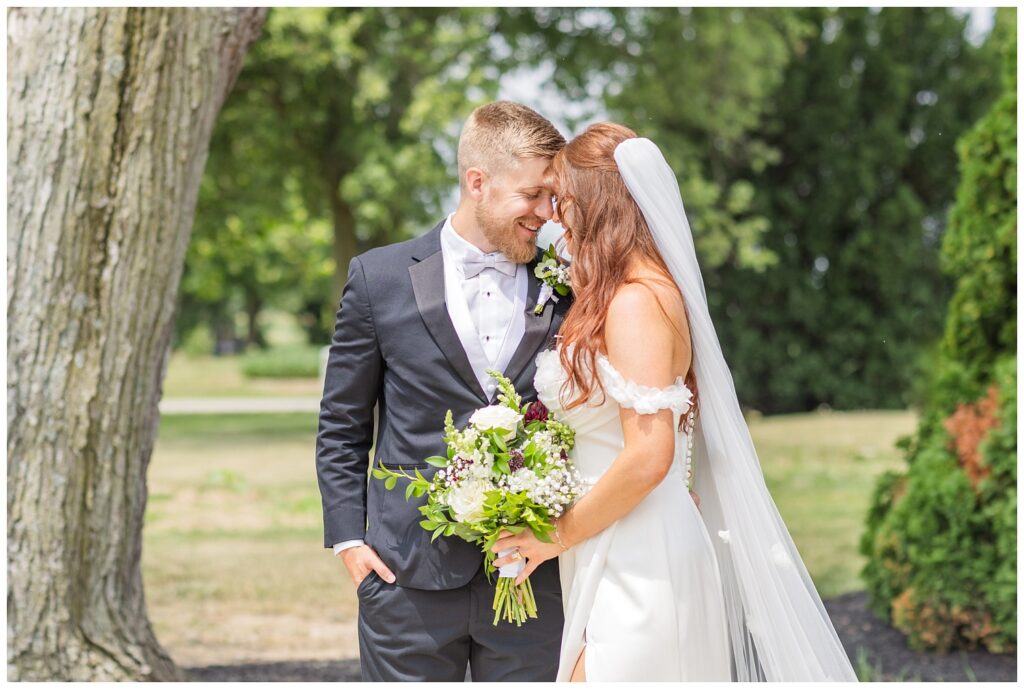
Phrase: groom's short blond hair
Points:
(497, 135)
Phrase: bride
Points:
(655, 588)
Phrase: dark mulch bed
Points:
(878, 652)
(886, 651)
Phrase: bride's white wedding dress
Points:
(668, 592)
(644, 596)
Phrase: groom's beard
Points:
(503, 233)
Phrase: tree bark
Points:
(346, 243)
(110, 113)
(253, 307)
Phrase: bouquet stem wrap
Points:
(512, 569)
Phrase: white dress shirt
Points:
(487, 307)
(488, 310)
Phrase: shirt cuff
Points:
(345, 545)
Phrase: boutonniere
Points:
(553, 274)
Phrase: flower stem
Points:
(513, 603)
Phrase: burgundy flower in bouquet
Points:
(516, 461)
(536, 412)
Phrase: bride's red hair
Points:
(608, 233)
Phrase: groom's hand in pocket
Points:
(361, 560)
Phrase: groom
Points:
(420, 322)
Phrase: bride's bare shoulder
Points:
(639, 332)
(634, 299)
(648, 293)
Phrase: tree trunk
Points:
(253, 307)
(346, 244)
(110, 113)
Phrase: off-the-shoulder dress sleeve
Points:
(642, 398)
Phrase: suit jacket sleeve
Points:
(345, 433)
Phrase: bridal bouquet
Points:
(508, 470)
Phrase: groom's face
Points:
(514, 207)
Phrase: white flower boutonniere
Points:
(554, 276)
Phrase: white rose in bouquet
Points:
(497, 416)
(467, 498)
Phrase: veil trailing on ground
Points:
(778, 627)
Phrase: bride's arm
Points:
(640, 344)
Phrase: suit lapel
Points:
(537, 327)
(428, 287)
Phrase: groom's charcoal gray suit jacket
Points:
(395, 347)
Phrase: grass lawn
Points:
(820, 469)
(221, 376)
(233, 561)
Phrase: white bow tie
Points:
(473, 264)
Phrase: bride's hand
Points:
(534, 550)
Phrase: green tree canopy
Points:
(344, 115)
(864, 122)
(695, 81)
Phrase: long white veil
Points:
(778, 627)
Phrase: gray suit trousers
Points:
(413, 635)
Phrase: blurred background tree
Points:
(697, 82)
(864, 122)
(942, 536)
(813, 149)
(341, 115)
